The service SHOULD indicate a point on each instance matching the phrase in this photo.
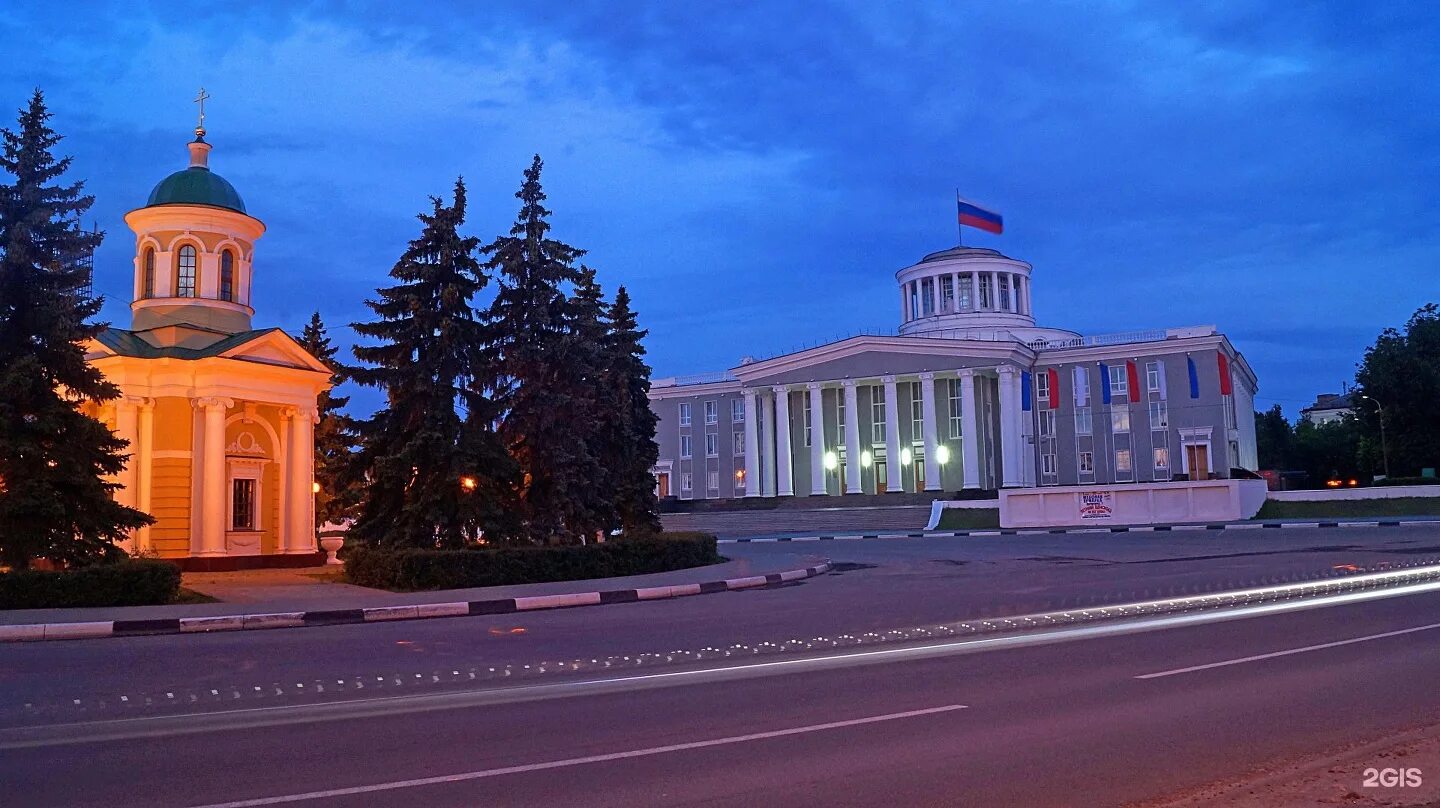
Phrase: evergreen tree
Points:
(634, 447)
(543, 405)
(432, 463)
(597, 414)
(335, 438)
(55, 502)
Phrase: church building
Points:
(968, 393)
(219, 414)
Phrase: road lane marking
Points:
(581, 761)
(1288, 652)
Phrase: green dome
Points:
(196, 185)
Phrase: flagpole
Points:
(959, 232)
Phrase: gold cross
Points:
(200, 99)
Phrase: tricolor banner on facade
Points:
(1226, 388)
(1194, 377)
(972, 215)
(1025, 391)
(1104, 383)
(1054, 388)
(1132, 379)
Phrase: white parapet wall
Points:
(1132, 504)
(1338, 494)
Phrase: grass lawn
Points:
(191, 596)
(969, 519)
(1345, 509)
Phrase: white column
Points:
(212, 496)
(127, 428)
(767, 446)
(752, 445)
(282, 524)
(892, 435)
(817, 439)
(784, 460)
(301, 538)
(969, 431)
(144, 481)
(932, 433)
(853, 449)
(1010, 449)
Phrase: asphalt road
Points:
(1057, 724)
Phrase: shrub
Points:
(1408, 481)
(409, 570)
(140, 582)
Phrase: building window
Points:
(1122, 463)
(738, 444)
(1162, 459)
(685, 446)
(712, 412)
(740, 481)
(1004, 291)
(1228, 406)
(1042, 388)
(712, 444)
(148, 288)
(1120, 419)
(947, 293)
(1084, 423)
(1119, 384)
(1152, 376)
(687, 481)
(712, 481)
(917, 413)
(737, 411)
(956, 416)
(684, 413)
(964, 295)
(1086, 461)
(840, 420)
(1159, 417)
(805, 419)
(185, 275)
(242, 501)
(227, 275)
(877, 417)
(927, 296)
(1047, 423)
(985, 291)
(1048, 465)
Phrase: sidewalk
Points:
(296, 591)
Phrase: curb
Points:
(952, 534)
(34, 632)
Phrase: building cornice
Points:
(1000, 351)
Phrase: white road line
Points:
(1275, 654)
(580, 761)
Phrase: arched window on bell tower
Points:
(227, 276)
(147, 290)
(185, 272)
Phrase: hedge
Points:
(410, 570)
(140, 582)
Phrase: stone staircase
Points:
(734, 524)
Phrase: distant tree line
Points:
(516, 396)
(1397, 380)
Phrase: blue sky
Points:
(755, 176)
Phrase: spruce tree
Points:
(55, 502)
(544, 407)
(335, 438)
(430, 458)
(635, 451)
(597, 415)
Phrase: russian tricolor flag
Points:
(972, 215)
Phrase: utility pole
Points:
(1384, 448)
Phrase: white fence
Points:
(1132, 504)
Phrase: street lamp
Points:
(1384, 449)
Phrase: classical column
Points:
(212, 495)
(767, 447)
(127, 428)
(892, 436)
(969, 431)
(301, 537)
(932, 433)
(817, 439)
(784, 462)
(144, 481)
(1010, 438)
(853, 449)
(752, 445)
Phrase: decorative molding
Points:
(245, 444)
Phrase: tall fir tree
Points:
(55, 500)
(592, 509)
(634, 448)
(543, 402)
(335, 438)
(433, 466)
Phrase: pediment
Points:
(275, 348)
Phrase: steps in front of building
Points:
(826, 521)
